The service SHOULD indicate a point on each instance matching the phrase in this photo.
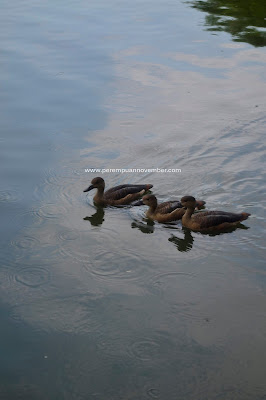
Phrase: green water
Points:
(244, 20)
(100, 303)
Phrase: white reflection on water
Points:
(186, 119)
(143, 298)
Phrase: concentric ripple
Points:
(26, 242)
(76, 246)
(33, 277)
(183, 292)
(81, 246)
(27, 217)
(68, 235)
(145, 349)
(163, 282)
(113, 350)
(9, 196)
(151, 349)
(51, 211)
(62, 186)
(153, 393)
(53, 177)
(74, 314)
(40, 215)
(106, 264)
(101, 255)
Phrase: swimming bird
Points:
(118, 195)
(167, 211)
(208, 221)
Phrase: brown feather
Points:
(118, 195)
(208, 220)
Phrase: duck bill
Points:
(89, 188)
(200, 204)
(138, 203)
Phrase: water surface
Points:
(101, 303)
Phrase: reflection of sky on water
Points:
(184, 115)
(168, 108)
(101, 289)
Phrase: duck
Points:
(118, 195)
(165, 212)
(208, 221)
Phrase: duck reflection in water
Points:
(147, 227)
(97, 218)
(183, 244)
(226, 230)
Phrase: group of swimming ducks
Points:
(204, 221)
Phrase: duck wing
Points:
(172, 205)
(168, 206)
(214, 218)
(211, 212)
(127, 185)
(123, 191)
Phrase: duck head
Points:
(96, 183)
(188, 202)
(150, 200)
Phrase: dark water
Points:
(244, 20)
(100, 303)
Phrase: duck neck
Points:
(153, 207)
(99, 194)
(188, 213)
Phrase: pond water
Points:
(101, 303)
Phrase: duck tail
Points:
(149, 186)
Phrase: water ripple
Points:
(162, 282)
(153, 393)
(150, 349)
(77, 314)
(145, 349)
(40, 215)
(68, 235)
(137, 213)
(113, 350)
(51, 211)
(63, 187)
(81, 247)
(26, 242)
(9, 196)
(106, 265)
(33, 277)
(190, 311)
(26, 217)
(53, 177)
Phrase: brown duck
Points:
(208, 221)
(118, 195)
(167, 211)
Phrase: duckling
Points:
(208, 220)
(167, 211)
(118, 195)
